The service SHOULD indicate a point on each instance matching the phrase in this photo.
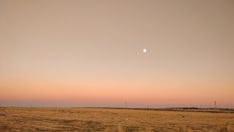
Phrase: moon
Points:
(144, 50)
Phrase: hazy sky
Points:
(89, 53)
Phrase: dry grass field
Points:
(113, 120)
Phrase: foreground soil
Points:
(113, 120)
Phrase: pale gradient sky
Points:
(89, 53)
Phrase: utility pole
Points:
(215, 104)
(125, 104)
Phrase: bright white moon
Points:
(144, 50)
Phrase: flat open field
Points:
(113, 120)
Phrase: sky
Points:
(89, 53)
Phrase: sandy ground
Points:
(112, 120)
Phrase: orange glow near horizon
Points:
(109, 93)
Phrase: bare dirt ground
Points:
(113, 120)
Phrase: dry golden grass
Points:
(112, 120)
